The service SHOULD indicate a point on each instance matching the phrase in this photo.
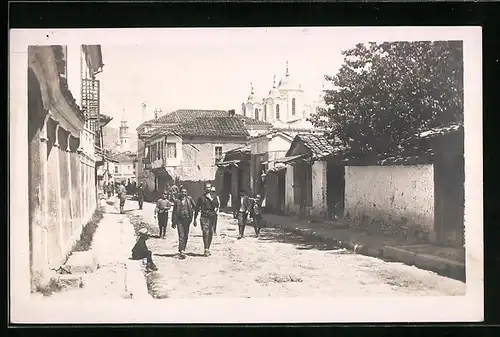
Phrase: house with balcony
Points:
(61, 153)
(187, 153)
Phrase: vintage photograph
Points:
(262, 163)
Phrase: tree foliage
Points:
(385, 93)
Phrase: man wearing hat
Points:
(216, 197)
(244, 211)
(256, 214)
(140, 250)
(207, 206)
(163, 205)
(182, 216)
(141, 194)
(122, 195)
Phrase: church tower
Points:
(124, 137)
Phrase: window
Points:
(218, 153)
(256, 114)
(277, 111)
(116, 169)
(171, 150)
(265, 112)
(293, 106)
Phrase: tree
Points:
(385, 93)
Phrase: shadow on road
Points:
(301, 242)
(166, 255)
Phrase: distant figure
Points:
(141, 194)
(122, 195)
(163, 205)
(140, 250)
(207, 206)
(111, 189)
(256, 214)
(216, 197)
(243, 212)
(182, 216)
(129, 187)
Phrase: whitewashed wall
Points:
(384, 192)
(319, 184)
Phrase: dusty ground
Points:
(276, 265)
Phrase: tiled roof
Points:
(124, 156)
(187, 115)
(212, 126)
(441, 131)
(318, 144)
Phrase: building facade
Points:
(62, 156)
(188, 153)
(122, 167)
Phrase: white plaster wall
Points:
(319, 204)
(385, 192)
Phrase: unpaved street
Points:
(274, 265)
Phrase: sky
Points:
(212, 70)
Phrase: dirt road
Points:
(276, 265)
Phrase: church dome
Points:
(288, 82)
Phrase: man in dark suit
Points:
(182, 216)
(141, 194)
(207, 206)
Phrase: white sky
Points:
(211, 68)
(214, 72)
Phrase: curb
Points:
(135, 281)
(443, 267)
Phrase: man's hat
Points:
(143, 231)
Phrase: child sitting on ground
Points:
(141, 251)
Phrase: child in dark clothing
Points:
(141, 251)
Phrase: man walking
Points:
(217, 199)
(122, 195)
(243, 213)
(182, 216)
(207, 206)
(161, 210)
(256, 214)
(141, 194)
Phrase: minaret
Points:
(124, 136)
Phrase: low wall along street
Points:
(391, 198)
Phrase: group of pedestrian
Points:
(186, 211)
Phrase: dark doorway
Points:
(302, 184)
(335, 189)
(226, 188)
(281, 176)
